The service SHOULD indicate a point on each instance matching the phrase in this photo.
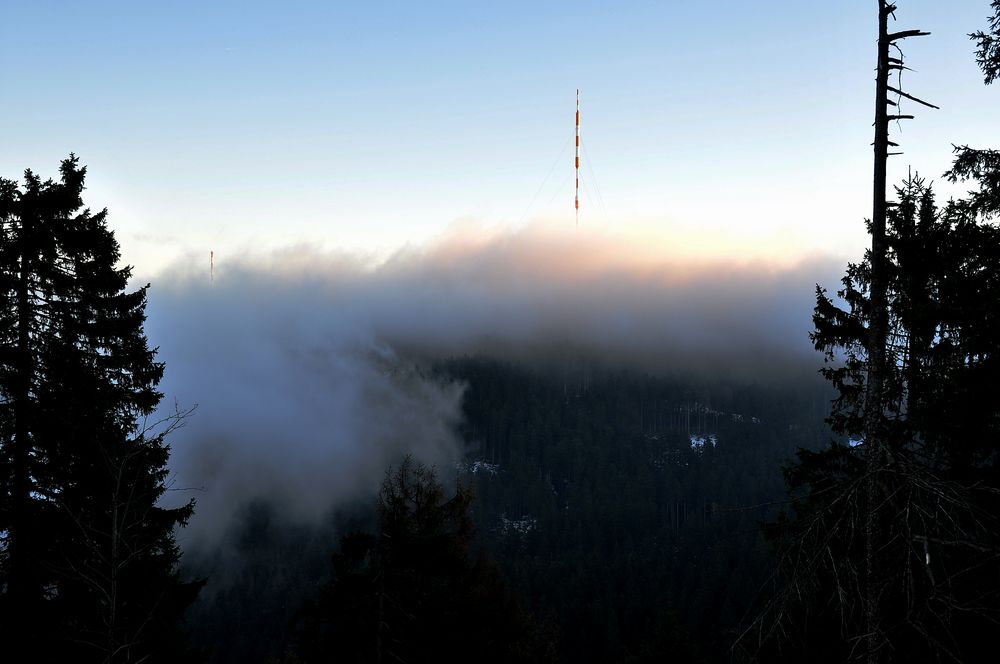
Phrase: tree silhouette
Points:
(891, 549)
(982, 166)
(988, 46)
(875, 381)
(89, 558)
(413, 592)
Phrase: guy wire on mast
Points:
(576, 200)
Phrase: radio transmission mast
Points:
(576, 200)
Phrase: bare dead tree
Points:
(874, 409)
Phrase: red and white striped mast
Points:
(576, 201)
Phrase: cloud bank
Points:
(306, 366)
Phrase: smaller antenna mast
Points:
(211, 267)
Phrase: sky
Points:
(730, 128)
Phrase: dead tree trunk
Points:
(877, 329)
(877, 452)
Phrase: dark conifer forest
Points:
(564, 504)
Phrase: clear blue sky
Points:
(368, 125)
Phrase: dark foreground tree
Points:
(892, 549)
(414, 592)
(88, 556)
(988, 46)
(936, 568)
(982, 166)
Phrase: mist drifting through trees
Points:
(309, 384)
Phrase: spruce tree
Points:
(89, 557)
(936, 542)
(414, 591)
(982, 166)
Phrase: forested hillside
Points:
(623, 508)
(618, 502)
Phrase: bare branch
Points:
(912, 98)
(893, 36)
